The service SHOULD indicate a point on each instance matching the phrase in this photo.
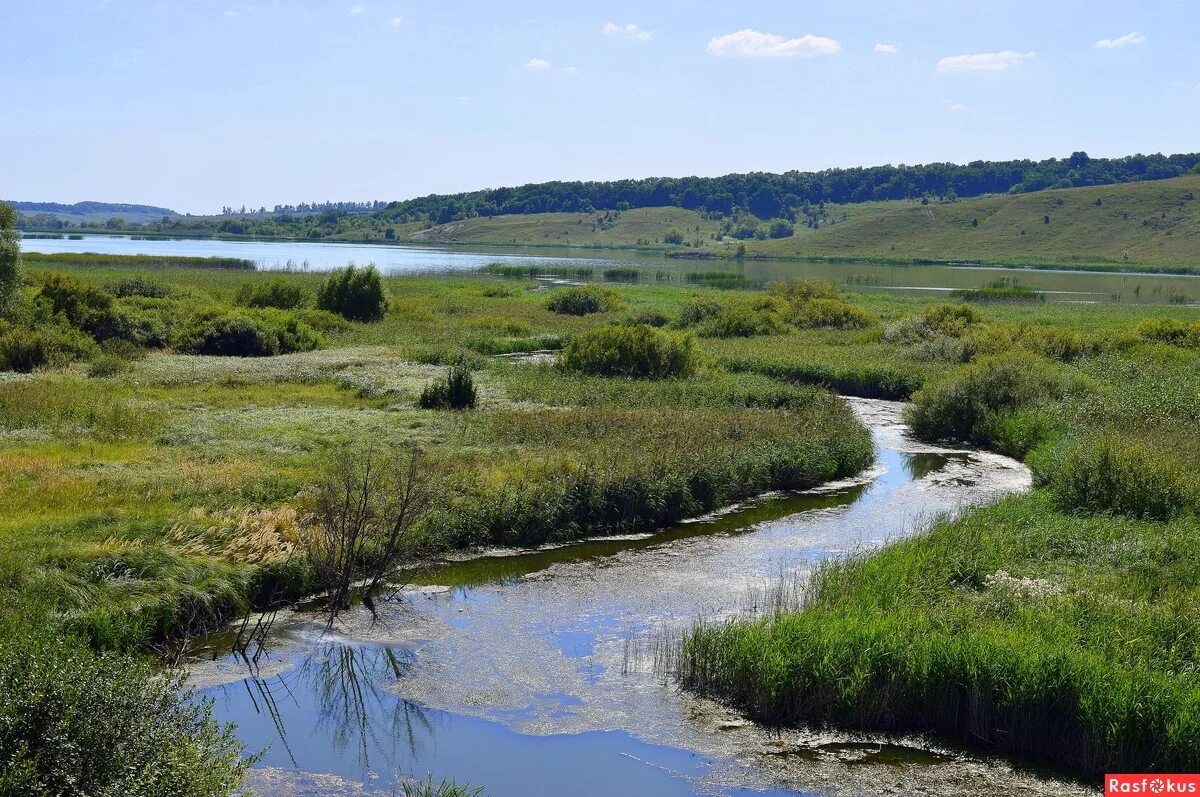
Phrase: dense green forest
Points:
(792, 195)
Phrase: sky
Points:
(197, 104)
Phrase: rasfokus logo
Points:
(1151, 784)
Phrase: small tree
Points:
(367, 503)
(354, 293)
(10, 258)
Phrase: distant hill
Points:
(1154, 223)
(94, 212)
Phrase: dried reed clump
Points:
(254, 536)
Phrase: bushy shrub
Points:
(972, 402)
(1057, 344)
(831, 314)
(278, 293)
(354, 293)
(951, 319)
(584, 300)
(76, 722)
(83, 305)
(743, 321)
(650, 318)
(145, 326)
(27, 349)
(945, 320)
(673, 236)
(1110, 474)
(455, 391)
(232, 334)
(1168, 330)
(105, 366)
(697, 311)
(639, 351)
(137, 286)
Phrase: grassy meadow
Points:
(1139, 226)
(157, 487)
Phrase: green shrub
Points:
(137, 286)
(642, 352)
(77, 722)
(584, 300)
(142, 325)
(105, 366)
(781, 228)
(1001, 290)
(650, 318)
(1111, 474)
(673, 236)
(353, 293)
(122, 349)
(950, 319)
(232, 334)
(455, 391)
(743, 322)
(84, 306)
(1057, 344)
(1168, 330)
(831, 314)
(26, 349)
(971, 403)
(278, 293)
(696, 311)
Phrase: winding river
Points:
(534, 673)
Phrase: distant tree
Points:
(1046, 219)
(10, 258)
(782, 228)
(974, 222)
(674, 236)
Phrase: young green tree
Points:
(10, 258)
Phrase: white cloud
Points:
(754, 44)
(356, 10)
(885, 49)
(536, 63)
(572, 70)
(232, 14)
(1127, 40)
(983, 62)
(397, 21)
(957, 107)
(630, 31)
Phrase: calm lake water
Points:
(930, 280)
(533, 673)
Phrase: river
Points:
(1070, 286)
(533, 672)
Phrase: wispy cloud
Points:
(630, 31)
(536, 63)
(232, 14)
(885, 49)
(1128, 40)
(397, 22)
(956, 107)
(356, 10)
(755, 44)
(983, 62)
(572, 70)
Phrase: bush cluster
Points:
(277, 293)
(641, 352)
(584, 300)
(354, 293)
(225, 333)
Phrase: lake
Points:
(1073, 286)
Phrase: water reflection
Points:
(335, 697)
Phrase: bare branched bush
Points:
(365, 506)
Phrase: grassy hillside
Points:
(637, 227)
(1154, 223)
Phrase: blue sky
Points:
(194, 105)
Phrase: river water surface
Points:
(533, 673)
